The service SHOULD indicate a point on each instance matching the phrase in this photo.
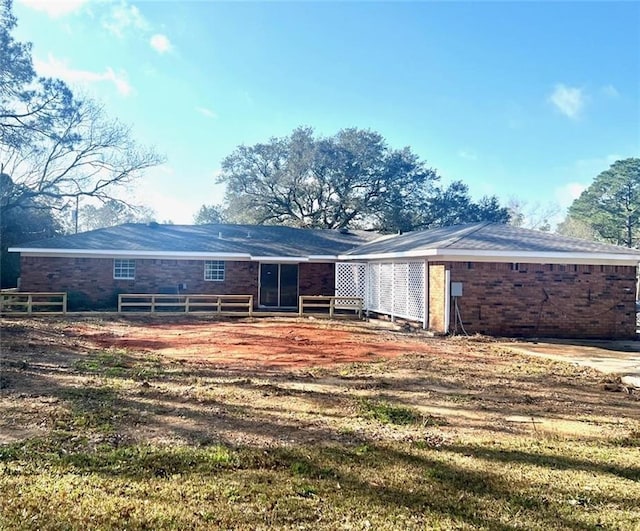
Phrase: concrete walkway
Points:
(610, 357)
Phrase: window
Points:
(214, 270)
(124, 269)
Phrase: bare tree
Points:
(531, 215)
(54, 147)
(84, 154)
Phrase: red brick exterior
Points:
(544, 300)
(91, 281)
(530, 300)
(317, 279)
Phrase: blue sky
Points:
(527, 100)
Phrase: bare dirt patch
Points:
(279, 382)
(285, 344)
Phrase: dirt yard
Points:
(183, 423)
(277, 382)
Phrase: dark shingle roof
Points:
(487, 237)
(281, 241)
(256, 240)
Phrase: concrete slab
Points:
(610, 357)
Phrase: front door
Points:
(279, 285)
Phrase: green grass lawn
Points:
(118, 439)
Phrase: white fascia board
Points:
(531, 257)
(388, 256)
(323, 257)
(107, 253)
(280, 259)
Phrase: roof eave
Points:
(534, 257)
(171, 255)
(125, 253)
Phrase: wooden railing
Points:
(31, 302)
(154, 302)
(331, 303)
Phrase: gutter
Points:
(532, 257)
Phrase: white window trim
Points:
(223, 270)
(115, 260)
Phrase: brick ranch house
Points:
(484, 277)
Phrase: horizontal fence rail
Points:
(331, 303)
(31, 302)
(156, 302)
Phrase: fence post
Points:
(29, 303)
(186, 304)
(64, 302)
(332, 304)
(119, 302)
(250, 305)
(219, 304)
(153, 304)
(301, 305)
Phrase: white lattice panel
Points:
(386, 288)
(415, 291)
(373, 300)
(399, 291)
(351, 280)
(395, 289)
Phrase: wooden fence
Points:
(330, 303)
(31, 302)
(155, 302)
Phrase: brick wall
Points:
(537, 300)
(90, 280)
(317, 279)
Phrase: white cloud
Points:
(467, 154)
(567, 193)
(160, 43)
(55, 8)
(53, 67)
(568, 100)
(206, 112)
(610, 91)
(124, 17)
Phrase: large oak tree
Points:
(352, 179)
